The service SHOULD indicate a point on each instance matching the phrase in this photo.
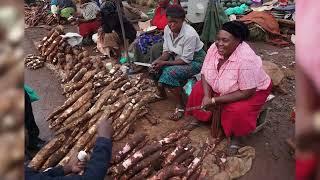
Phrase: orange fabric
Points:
(264, 19)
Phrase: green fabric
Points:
(239, 10)
(215, 17)
(67, 12)
(178, 75)
(32, 94)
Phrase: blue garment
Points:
(96, 168)
(147, 40)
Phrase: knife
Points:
(194, 108)
(143, 64)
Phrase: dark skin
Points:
(226, 44)
(175, 25)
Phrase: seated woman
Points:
(146, 40)
(63, 8)
(109, 38)
(89, 21)
(233, 80)
(181, 58)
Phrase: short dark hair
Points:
(176, 11)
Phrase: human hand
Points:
(74, 166)
(206, 102)
(159, 64)
(105, 129)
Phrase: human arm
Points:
(96, 167)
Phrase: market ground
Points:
(274, 160)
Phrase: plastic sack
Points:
(188, 87)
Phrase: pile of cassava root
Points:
(96, 91)
(34, 62)
(171, 157)
(37, 15)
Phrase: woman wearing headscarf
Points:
(181, 58)
(233, 80)
(89, 22)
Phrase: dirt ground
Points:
(274, 158)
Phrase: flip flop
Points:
(233, 150)
(178, 114)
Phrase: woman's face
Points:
(226, 43)
(175, 24)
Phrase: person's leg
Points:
(33, 131)
(239, 119)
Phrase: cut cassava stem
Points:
(141, 165)
(184, 156)
(169, 171)
(177, 151)
(196, 161)
(136, 157)
(143, 173)
(128, 147)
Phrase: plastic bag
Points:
(32, 94)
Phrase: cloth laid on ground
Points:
(32, 94)
(215, 17)
(238, 165)
(109, 44)
(273, 71)
(268, 23)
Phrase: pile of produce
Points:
(96, 91)
(39, 14)
(171, 157)
(234, 3)
(34, 62)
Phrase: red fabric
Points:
(159, 18)
(306, 168)
(238, 118)
(87, 28)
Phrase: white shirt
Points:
(184, 45)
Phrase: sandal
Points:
(233, 150)
(178, 114)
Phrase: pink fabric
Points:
(307, 46)
(242, 71)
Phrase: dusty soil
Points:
(273, 156)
